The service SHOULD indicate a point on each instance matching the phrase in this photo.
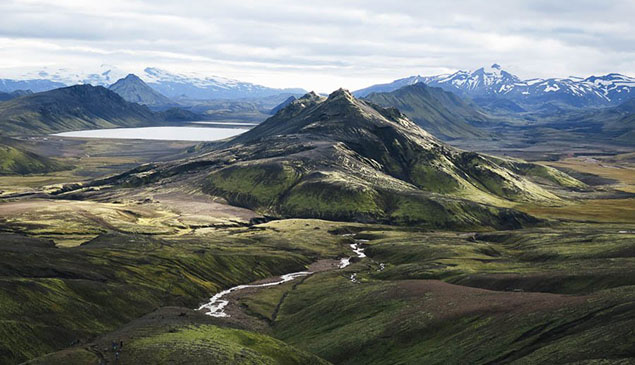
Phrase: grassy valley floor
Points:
(78, 275)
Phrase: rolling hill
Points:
(16, 160)
(439, 112)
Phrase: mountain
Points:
(282, 105)
(341, 158)
(207, 87)
(439, 112)
(172, 85)
(485, 86)
(72, 108)
(134, 90)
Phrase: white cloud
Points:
(320, 45)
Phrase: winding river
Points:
(216, 305)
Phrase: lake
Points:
(159, 133)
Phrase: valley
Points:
(130, 237)
(317, 183)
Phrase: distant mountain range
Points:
(496, 88)
(171, 85)
(178, 86)
(34, 85)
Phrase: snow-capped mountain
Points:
(105, 75)
(194, 86)
(483, 85)
(172, 85)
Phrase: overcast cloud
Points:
(320, 45)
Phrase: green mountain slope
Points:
(134, 90)
(439, 112)
(341, 158)
(16, 160)
(71, 108)
(148, 341)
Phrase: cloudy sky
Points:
(320, 45)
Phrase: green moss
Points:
(331, 198)
(430, 322)
(88, 291)
(253, 186)
(16, 161)
(540, 173)
(433, 178)
(210, 344)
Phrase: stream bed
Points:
(216, 305)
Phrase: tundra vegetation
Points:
(470, 258)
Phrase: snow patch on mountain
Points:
(173, 85)
(495, 82)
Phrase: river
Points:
(216, 305)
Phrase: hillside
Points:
(341, 158)
(72, 108)
(14, 94)
(441, 113)
(134, 90)
(17, 160)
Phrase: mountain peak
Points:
(496, 66)
(311, 95)
(341, 93)
(135, 90)
(131, 77)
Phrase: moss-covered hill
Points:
(16, 160)
(174, 335)
(51, 297)
(439, 112)
(341, 158)
(522, 297)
